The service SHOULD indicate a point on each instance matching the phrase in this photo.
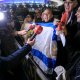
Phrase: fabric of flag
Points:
(44, 50)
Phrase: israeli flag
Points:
(44, 50)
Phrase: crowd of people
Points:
(11, 57)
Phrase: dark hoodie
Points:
(10, 57)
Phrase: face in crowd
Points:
(38, 13)
(29, 18)
(78, 15)
(70, 4)
(47, 15)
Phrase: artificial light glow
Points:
(59, 2)
(1, 16)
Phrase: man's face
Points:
(78, 15)
(47, 15)
(69, 5)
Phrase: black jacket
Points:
(72, 26)
(72, 45)
(10, 55)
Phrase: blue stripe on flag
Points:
(49, 24)
(54, 37)
(50, 63)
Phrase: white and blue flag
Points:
(44, 50)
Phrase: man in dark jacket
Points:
(70, 52)
(10, 55)
(71, 7)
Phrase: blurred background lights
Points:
(1, 16)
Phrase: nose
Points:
(67, 3)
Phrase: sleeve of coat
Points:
(15, 58)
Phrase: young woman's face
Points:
(69, 5)
(78, 15)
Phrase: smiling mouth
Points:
(45, 18)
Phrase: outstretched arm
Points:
(14, 59)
